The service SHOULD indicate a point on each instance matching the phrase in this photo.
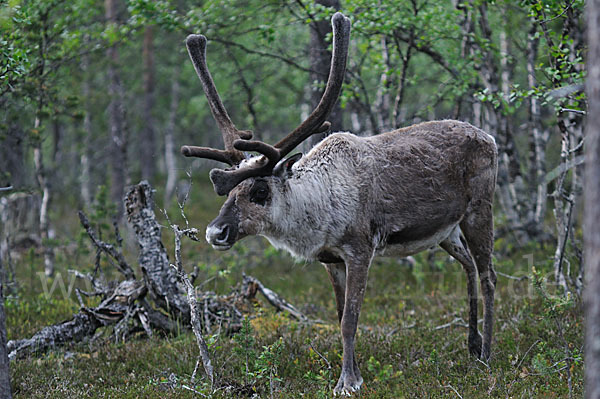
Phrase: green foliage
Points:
(245, 348)
(39, 38)
(382, 373)
(259, 366)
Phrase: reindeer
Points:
(351, 198)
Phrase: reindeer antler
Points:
(226, 179)
(196, 46)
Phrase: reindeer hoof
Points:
(347, 385)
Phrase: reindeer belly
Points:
(402, 244)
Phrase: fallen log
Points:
(117, 303)
(128, 300)
(159, 277)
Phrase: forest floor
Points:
(412, 340)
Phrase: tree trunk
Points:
(592, 206)
(469, 114)
(496, 123)
(382, 97)
(563, 208)
(320, 60)
(148, 144)
(84, 178)
(538, 136)
(12, 165)
(400, 112)
(170, 160)
(116, 111)
(42, 178)
(5, 391)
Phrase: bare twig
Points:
(193, 302)
(404, 327)
(99, 288)
(575, 111)
(518, 367)
(458, 321)
(487, 366)
(109, 249)
(185, 198)
(78, 293)
(559, 15)
(274, 299)
(568, 357)
(564, 167)
(527, 352)
(453, 389)
(193, 390)
(261, 53)
(520, 278)
(321, 356)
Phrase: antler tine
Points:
(224, 180)
(196, 46)
(273, 153)
(312, 124)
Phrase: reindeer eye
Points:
(259, 193)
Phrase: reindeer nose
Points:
(218, 235)
(222, 237)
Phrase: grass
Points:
(401, 351)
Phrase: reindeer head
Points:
(251, 183)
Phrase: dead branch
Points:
(109, 249)
(160, 278)
(195, 312)
(453, 389)
(251, 284)
(125, 302)
(84, 324)
(458, 321)
(511, 277)
(81, 326)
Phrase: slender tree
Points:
(170, 160)
(148, 141)
(5, 391)
(85, 176)
(41, 173)
(12, 165)
(116, 112)
(592, 206)
(320, 59)
(41, 167)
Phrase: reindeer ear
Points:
(284, 167)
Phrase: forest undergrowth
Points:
(412, 339)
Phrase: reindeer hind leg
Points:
(478, 229)
(457, 248)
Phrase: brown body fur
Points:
(352, 198)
